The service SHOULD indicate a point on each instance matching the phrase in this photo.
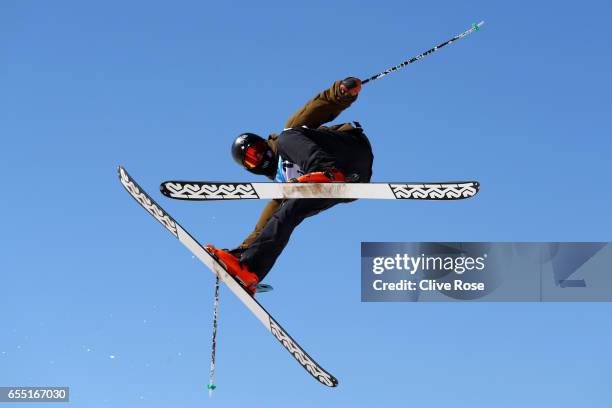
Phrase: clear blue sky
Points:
(163, 88)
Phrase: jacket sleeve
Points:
(267, 212)
(321, 109)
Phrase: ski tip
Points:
(163, 189)
(121, 172)
(476, 26)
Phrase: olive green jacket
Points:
(321, 109)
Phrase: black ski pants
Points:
(261, 255)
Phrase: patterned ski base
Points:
(196, 248)
(203, 190)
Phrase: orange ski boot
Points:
(327, 176)
(232, 265)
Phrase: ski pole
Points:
(211, 384)
(475, 27)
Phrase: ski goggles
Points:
(254, 154)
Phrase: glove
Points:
(327, 176)
(350, 86)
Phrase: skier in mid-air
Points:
(304, 152)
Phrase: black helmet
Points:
(253, 153)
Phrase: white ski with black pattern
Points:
(209, 190)
(204, 256)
